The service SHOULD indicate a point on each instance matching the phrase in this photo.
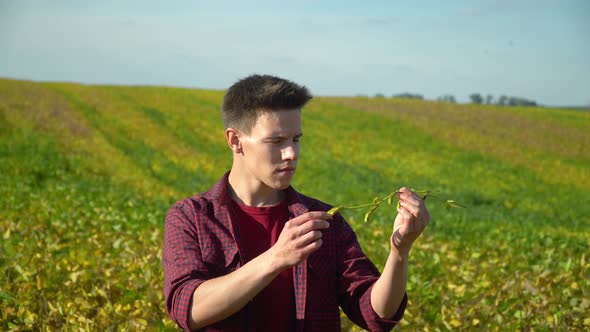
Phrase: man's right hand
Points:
(219, 298)
(299, 238)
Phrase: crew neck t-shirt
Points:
(273, 309)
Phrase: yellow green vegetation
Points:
(87, 174)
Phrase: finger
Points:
(404, 190)
(311, 247)
(307, 238)
(406, 215)
(401, 191)
(300, 220)
(413, 208)
(409, 222)
(406, 194)
(412, 197)
(312, 225)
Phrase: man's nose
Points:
(289, 152)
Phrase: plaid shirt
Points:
(201, 242)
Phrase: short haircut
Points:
(256, 94)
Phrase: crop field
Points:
(87, 174)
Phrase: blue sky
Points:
(533, 49)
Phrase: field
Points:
(87, 174)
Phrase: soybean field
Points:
(88, 172)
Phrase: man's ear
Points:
(233, 140)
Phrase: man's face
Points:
(271, 150)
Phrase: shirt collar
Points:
(219, 193)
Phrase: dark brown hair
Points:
(255, 94)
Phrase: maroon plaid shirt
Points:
(201, 242)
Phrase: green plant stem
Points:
(376, 202)
(369, 204)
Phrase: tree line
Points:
(503, 100)
(475, 98)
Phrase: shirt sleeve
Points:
(184, 269)
(359, 275)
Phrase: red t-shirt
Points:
(273, 309)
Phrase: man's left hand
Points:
(411, 219)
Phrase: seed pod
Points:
(452, 204)
(368, 214)
(390, 200)
(333, 210)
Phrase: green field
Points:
(87, 174)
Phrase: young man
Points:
(253, 254)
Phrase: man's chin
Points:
(282, 184)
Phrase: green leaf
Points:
(4, 296)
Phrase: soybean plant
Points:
(449, 203)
